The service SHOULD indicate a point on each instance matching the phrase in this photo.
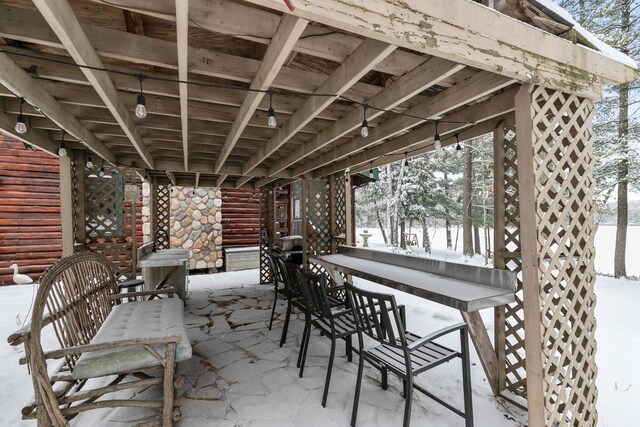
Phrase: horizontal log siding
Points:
(30, 228)
(240, 217)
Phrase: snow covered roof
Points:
(551, 17)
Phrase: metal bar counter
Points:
(464, 287)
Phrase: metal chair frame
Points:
(403, 353)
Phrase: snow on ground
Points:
(239, 375)
(605, 241)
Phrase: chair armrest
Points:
(169, 291)
(435, 335)
(21, 335)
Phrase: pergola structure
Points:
(211, 70)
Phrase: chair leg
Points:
(286, 324)
(273, 310)
(329, 368)
(466, 379)
(170, 363)
(349, 348)
(303, 342)
(385, 377)
(408, 395)
(307, 339)
(356, 397)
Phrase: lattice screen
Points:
(563, 189)
(265, 272)
(109, 231)
(317, 219)
(163, 211)
(512, 315)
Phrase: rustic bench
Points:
(100, 338)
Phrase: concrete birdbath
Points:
(365, 238)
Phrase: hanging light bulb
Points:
(406, 160)
(89, 163)
(458, 146)
(101, 170)
(371, 170)
(62, 152)
(21, 126)
(271, 114)
(364, 130)
(436, 139)
(141, 109)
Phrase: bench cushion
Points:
(144, 319)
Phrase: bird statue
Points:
(20, 279)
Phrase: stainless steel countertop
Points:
(474, 288)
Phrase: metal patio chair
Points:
(278, 285)
(333, 322)
(403, 353)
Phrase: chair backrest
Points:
(74, 296)
(276, 274)
(376, 315)
(289, 277)
(314, 289)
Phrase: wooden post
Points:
(134, 240)
(66, 203)
(499, 247)
(350, 208)
(304, 228)
(530, 261)
(79, 202)
(332, 212)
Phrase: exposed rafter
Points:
(19, 82)
(486, 110)
(182, 44)
(481, 84)
(60, 16)
(473, 35)
(361, 61)
(285, 38)
(427, 74)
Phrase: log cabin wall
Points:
(30, 225)
(240, 217)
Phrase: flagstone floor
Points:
(239, 376)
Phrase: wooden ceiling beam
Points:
(425, 75)
(467, 32)
(202, 93)
(258, 25)
(478, 86)
(63, 21)
(289, 29)
(363, 59)
(22, 84)
(24, 25)
(491, 108)
(182, 45)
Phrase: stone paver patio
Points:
(239, 376)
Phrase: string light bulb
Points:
(89, 163)
(458, 146)
(271, 114)
(62, 152)
(436, 138)
(364, 130)
(21, 126)
(141, 104)
(371, 170)
(406, 160)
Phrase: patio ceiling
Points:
(421, 65)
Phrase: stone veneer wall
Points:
(196, 224)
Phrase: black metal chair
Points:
(401, 352)
(333, 322)
(278, 285)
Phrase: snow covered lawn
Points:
(239, 375)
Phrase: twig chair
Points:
(403, 353)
